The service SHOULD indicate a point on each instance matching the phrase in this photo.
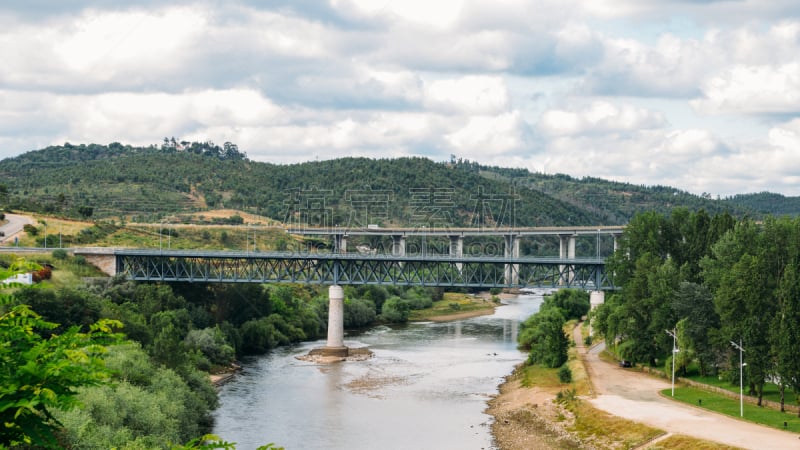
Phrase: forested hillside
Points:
(619, 202)
(146, 183)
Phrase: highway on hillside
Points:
(14, 226)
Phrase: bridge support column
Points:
(566, 250)
(596, 298)
(335, 345)
(340, 243)
(457, 249)
(512, 251)
(398, 245)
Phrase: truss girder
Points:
(472, 271)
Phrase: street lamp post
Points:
(673, 333)
(741, 372)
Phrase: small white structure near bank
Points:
(21, 278)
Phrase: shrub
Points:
(212, 344)
(565, 374)
(45, 273)
(30, 229)
(60, 254)
(395, 309)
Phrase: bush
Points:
(565, 374)
(395, 309)
(60, 254)
(358, 313)
(212, 344)
(30, 229)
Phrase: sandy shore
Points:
(528, 418)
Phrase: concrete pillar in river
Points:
(335, 344)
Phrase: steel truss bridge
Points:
(356, 269)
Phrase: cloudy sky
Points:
(703, 95)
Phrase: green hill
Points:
(147, 183)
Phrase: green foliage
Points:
(145, 407)
(213, 442)
(212, 344)
(565, 374)
(715, 280)
(573, 303)
(30, 229)
(39, 376)
(395, 309)
(358, 313)
(543, 333)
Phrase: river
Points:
(426, 387)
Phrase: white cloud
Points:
(472, 94)
(753, 90)
(631, 90)
(598, 118)
(482, 136)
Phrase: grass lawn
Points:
(771, 391)
(730, 407)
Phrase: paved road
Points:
(14, 226)
(634, 395)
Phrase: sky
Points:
(701, 95)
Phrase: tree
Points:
(786, 336)
(573, 303)
(694, 306)
(39, 375)
(543, 333)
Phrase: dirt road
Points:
(634, 395)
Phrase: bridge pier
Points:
(340, 243)
(457, 249)
(335, 344)
(512, 251)
(566, 249)
(398, 245)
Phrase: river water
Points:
(425, 388)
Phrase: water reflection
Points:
(426, 387)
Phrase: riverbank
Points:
(456, 306)
(528, 417)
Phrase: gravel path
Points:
(634, 395)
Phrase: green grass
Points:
(730, 407)
(771, 391)
(541, 377)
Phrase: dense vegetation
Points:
(715, 280)
(151, 388)
(543, 333)
(145, 183)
